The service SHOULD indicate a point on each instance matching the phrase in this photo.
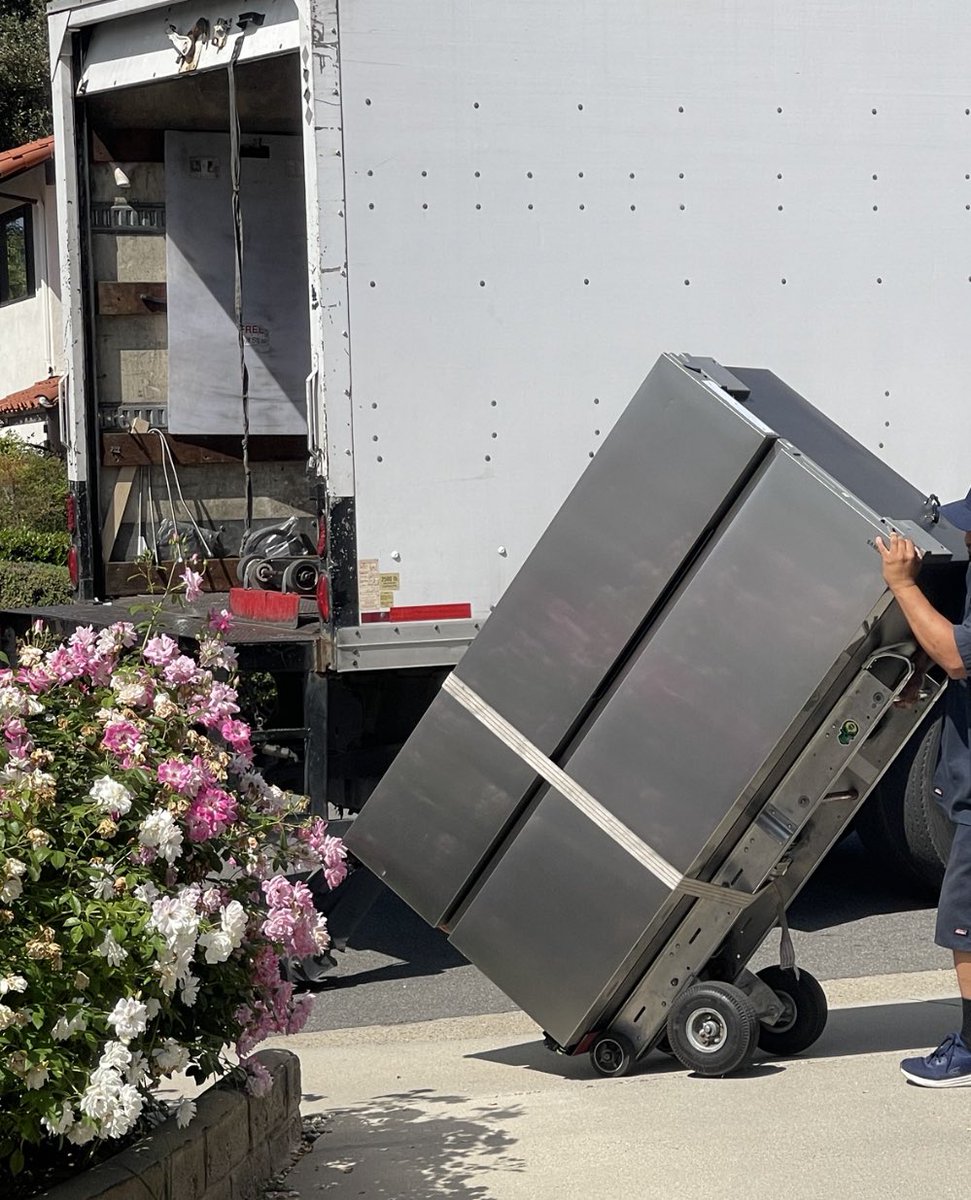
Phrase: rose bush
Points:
(144, 898)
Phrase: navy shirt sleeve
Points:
(962, 636)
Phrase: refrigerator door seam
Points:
(557, 778)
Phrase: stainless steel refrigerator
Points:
(673, 712)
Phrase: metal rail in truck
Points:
(463, 230)
(623, 784)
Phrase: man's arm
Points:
(932, 629)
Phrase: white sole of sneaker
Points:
(963, 1081)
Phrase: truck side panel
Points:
(542, 198)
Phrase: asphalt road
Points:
(849, 922)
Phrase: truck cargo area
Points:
(159, 168)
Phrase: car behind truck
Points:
(354, 291)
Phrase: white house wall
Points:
(30, 329)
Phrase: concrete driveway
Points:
(477, 1108)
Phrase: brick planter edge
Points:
(233, 1145)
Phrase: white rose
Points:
(146, 892)
(110, 795)
(190, 990)
(171, 1057)
(11, 890)
(158, 831)
(138, 1069)
(124, 1112)
(128, 1018)
(35, 1078)
(111, 950)
(184, 1112)
(233, 921)
(217, 944)
(102, 885)
(61, 1122)
(114, 1057)
(81, 1133)
(64, 1028)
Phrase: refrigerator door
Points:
(723, 683)
(659, 483)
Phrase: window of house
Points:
(16, 255)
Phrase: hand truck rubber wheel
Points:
(611, 1054)
(713, 1028)
(805, 1013)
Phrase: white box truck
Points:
(354, 289)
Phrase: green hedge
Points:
(27, 545)
(33, 487)
(23, 584)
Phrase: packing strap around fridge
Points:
(581, 799)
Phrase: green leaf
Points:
(77, 935)
(16, 1162)
(58, 860)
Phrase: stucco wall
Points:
(30, 329)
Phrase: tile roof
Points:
(28, 398)
(22, 158)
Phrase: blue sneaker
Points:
(947, 1066)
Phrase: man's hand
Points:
(933, 631)
(901, 561)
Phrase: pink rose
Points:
(193, 583)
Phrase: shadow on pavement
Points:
(410, 1145)
(869, 1029)
(383, 974)
(534, 1056)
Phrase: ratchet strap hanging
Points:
(787, 951)
(234, 157)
